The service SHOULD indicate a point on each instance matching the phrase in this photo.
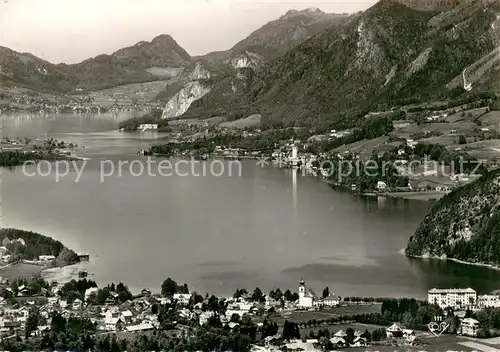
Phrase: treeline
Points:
(264, 141)
(72, 334)
(117, 294)
(35, 286)
(489, 322)
(411, 313)
(461, 162)
(369, 128)
(324, 335)
(364, 175)
(36, 245)
(17, 157)
(258, 296)
(76, 289)
(153, 117)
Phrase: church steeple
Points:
(302, 287)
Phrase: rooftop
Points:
(452, 290)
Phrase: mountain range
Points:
(307, 68)
(161, 58)
(389, 55)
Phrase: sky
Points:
(73, 30)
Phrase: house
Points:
(147, 126)
(341, 333)
(77, 304)
(401, 124)
(488, 301)
(271, 302)
(394, 331)
(182, 298)
(453, 297)
(411, 143)
(126, 315)
(338, 342)
(90, 291)
(21, 241)
(145, 292)
(381, 186)
(306, 298)
(205, 316)
(3, 251)
(445, 189)
(331, 301)
(469, 327)
(140, 327)
(46, 258)
(113, 324)
(359, 342)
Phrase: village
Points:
(28, 308)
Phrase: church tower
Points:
(302, 288)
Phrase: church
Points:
(307, 298)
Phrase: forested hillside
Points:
(464, 225)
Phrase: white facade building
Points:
(306, 298)
(469, 327)
(331, 301)
(46, 258)
(453, 297)
(182, 298)
(147, 126)
(488, 301)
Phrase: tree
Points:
(31, 323)
(326, 292)
(257, 295)
(462, 139)
(184, 289)
(235, 318)
(168, 287)
(350, 335)
(288, 295)
(240, 292)
(290, 331)
(82, 274)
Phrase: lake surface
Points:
(264, 227)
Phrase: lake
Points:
(260, 226)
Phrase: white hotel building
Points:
(488, 301)
(453, 297)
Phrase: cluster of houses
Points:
(338, 341)
(308, 299)
(5, 255)
(462, 299)
(138, 314)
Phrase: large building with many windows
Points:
(453, 297)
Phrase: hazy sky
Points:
(73, 30)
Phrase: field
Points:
(250, 121)
(303, 316)
(127, 93)
(491, 120)
(19, 271)
(364, 147)
(469, 115)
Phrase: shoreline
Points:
(444, 259)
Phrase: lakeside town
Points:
(431, 150)
(41, 315)
(36, 314)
